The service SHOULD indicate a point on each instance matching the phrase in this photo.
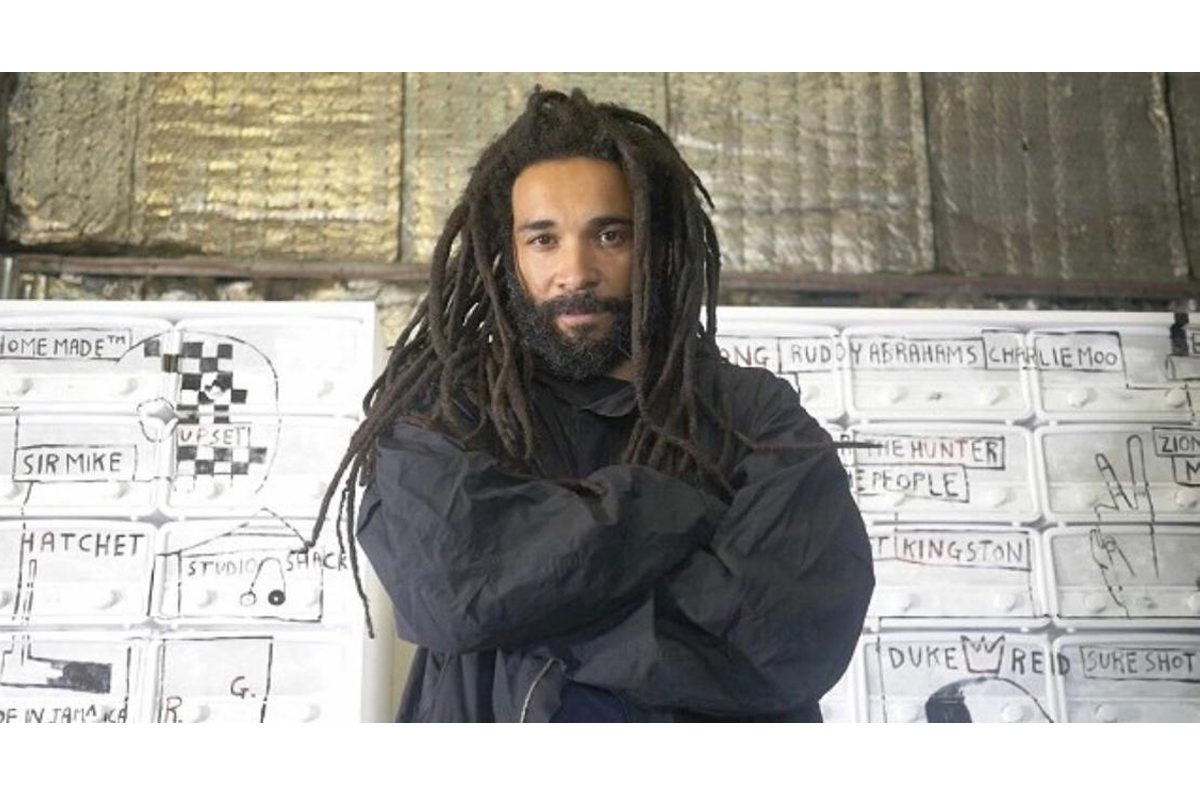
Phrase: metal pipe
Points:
(6, 279)
(875, 287)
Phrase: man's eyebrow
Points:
(594, 222)
(600, 222)
(537, 225)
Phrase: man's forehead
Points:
(571, 184)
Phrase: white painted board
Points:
(936, 372)
(1128, 472)
(945, 472)
(959, 677)
(1135, 677)
(1125, 576)
(64, 572)
(978, 576)
(55, 677)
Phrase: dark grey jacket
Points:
(686, 608)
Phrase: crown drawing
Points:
(982, 657)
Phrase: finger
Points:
(1111, 482)
(1136, 452)
(1096, 545)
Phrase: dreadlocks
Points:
(462, 345)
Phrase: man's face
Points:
(573, 242)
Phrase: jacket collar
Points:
(603, 395)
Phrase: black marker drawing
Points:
(989, 666)
(260, 569)
(208, 443)
(20, 668)
(949, 703)
(1085, 351)
(277, 595)
(157, 418)
(1115, 568)
(785, 355)
(932, 466)
(810, 362)
(237, 678)
(1088, 351)
(92, 568)
(1182, 361)
(937, 562)
(917, 352)
(1181, 445)
(64, 344)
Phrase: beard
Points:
(577, 357)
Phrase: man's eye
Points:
(613, 236)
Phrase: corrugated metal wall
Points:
(1052, 176)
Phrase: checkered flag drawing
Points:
(206, 392)
(206, 380)
(191, 460)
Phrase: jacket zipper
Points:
(536, 681)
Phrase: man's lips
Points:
(577, 317)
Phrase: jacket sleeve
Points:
(474, 557)
(765, 617)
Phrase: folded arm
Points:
(763, 618)
(475, 558)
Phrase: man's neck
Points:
(623, 371)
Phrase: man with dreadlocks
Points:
(579, 510)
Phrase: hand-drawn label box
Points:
(87, 466)
(74, 465)
(255, 677)
(1131, 372)
(275, 364)
(1120, 473)
(1129, 677)
(247, 463)
(64, 363)
(936, 372)
(954, 576)
(240, 364)
(254, 570)
(74, 571)
(945, 472)
(959, 677)
(810, 357)
(1124, 575)
(53, 677)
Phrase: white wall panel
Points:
(1037, 490)
(161, 468)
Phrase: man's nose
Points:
(576, 268)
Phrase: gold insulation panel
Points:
(301, 166)
(822, 173)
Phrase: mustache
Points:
(584, 303)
